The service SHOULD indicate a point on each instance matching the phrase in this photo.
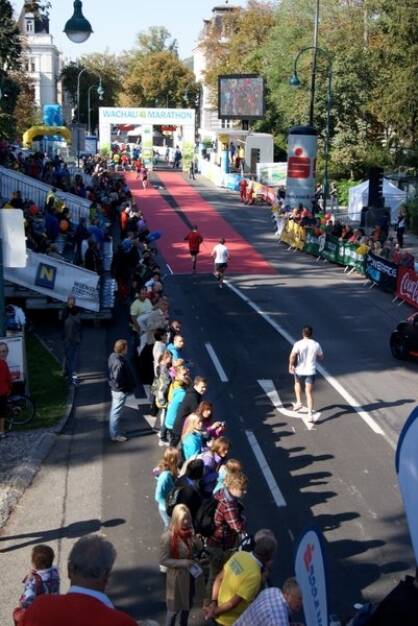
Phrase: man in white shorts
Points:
(302, 364)
(220, 254)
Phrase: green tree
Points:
(111, 69)
(10, 61)
(236, 44)
(159, 79)
(394, 48)
(156, 39)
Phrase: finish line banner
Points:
(382, 272)
(310, 574)
(406, 463)
(57, 279)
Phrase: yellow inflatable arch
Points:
(36, 131)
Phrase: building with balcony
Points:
(44, 59)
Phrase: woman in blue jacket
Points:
(182, 381)
(192, 441)
(167, 472)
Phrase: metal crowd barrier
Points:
(36, 190)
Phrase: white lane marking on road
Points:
(365, 416)
(169, 269)
(218, 366)
(132, 402)
(267, 473)
(273, 395)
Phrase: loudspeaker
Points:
(376, 199)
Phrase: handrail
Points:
(36, 190)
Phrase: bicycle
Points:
(20, 410)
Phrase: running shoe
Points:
(119, 438)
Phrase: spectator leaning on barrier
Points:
(273, 606)
(86, 604)
(240, 580)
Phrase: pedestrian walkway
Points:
(174, 225)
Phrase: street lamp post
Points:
(295, 82)
(77, 28)
(100, 92)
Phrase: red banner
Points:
(407, 286)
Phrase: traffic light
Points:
(376, 199)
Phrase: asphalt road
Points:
(338, 475)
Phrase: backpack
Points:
(171, 499)
(204, 522)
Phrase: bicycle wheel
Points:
(21, 409)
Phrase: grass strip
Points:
(46, 386)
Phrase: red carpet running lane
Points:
(160, 216)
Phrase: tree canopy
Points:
(10, 63)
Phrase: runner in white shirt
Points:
(221, 257)
(302, 364)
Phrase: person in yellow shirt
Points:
(241, 579)
(140, 306)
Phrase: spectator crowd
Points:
(211, 558)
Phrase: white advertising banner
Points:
(406, 462)
(12, 232)
(310, 574)
(110, 116)
(301, 165)
(273, 174)
(57, 279)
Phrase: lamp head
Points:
(294, 80)
(100, 91)
(78, 29)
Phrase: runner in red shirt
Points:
(194, 239)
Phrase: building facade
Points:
(208, 109)
(44, 59)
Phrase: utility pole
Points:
(314, 61)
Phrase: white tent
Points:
(358, 198)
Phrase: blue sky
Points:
(116, 23)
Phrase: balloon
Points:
(154, 236)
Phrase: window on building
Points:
(226, 123)
(29, 26)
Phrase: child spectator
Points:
(231, 467)
(167, 470)
(43, 578)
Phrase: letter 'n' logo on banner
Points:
(45, 276)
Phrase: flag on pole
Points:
(406, 463)
(310, 574)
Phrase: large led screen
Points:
(241, 97)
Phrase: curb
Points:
(26, 471)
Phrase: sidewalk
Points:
(22, 453)
(64, 501)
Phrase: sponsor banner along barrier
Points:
(310, 574)
(326, 246)
(406, 463)
(57, 279)
(386, 274)
(293, 234)
(382, 272)
(407, 286)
